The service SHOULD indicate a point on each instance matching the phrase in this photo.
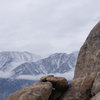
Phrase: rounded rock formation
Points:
(59, 83)
(38, 91)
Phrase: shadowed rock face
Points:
(89, 55)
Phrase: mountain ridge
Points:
(56, 63)
(25, 62)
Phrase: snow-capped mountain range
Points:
(10, 60)
(25, 65)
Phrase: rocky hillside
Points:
(86, 82)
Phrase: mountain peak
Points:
(11, 59)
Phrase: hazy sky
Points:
(46, 26)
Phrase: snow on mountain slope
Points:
(68, 75)
(56, 63)
(9, 60)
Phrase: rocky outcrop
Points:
(89, 55)
(38, 91)
(96, 84)
(48, 88)
(59, 83)
(80, 89)
(86, 84)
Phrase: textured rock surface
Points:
(73, 92)
(55, 95)
(97, 97)
(89, 55)
(87, 84)
(59, 83)
(80, 89)
(96, 85)
(38, 91)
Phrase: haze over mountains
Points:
(21, 65)
(10, 60)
